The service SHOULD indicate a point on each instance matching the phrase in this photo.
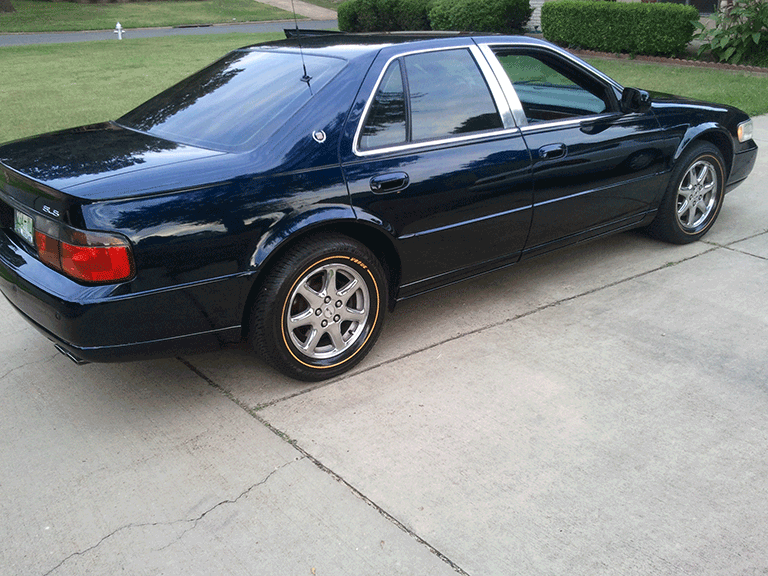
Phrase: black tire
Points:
(694, 196)
(320, 308)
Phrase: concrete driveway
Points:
(600, 411)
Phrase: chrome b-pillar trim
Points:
(509, 91)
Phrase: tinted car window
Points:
(385, 125)
(546, 94)
(447, 96)
(244, 96)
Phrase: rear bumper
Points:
(109, 323)
(186, 344)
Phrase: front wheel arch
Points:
(715, 135)
(694, 195)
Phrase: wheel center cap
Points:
(328, 312)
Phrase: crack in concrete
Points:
(193, 521)
(312, 388)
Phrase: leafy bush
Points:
(413, 14)
(480, 15)
(365, 15)
(635, 28)
(383, 15)
(346, 16)
(740, 34)
(474, 15)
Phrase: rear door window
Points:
(386, 124)
(429, 96)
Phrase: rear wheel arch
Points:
(377, 241)
(319, 308)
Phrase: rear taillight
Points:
(82, 254)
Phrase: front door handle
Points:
(552, 151)
(386, 183)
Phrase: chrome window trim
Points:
(553, 124)
(496, 95)
(441, 142)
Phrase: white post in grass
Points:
(119, 31)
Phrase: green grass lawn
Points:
(54, 86)
(741, 89)
(36, 16)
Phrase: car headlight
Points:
(745, 130)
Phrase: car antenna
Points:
(306, 78)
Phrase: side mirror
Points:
(634, 100)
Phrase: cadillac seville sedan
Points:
(292, 192)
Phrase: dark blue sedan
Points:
(292, 192)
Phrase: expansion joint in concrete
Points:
(389, 517)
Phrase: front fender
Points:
(711, 132)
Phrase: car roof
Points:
(350, 46)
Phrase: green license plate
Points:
(24, 226)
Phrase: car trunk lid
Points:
(65, 160)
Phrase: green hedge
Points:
(480, 15)
(467, 15)
(383, 15)
(634, 28)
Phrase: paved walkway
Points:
(302, 9)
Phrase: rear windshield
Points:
(235, 102)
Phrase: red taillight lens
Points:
(84, 255)
(96, 264)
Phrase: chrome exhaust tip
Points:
(68, 354)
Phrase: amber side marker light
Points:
(83, 255)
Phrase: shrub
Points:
(346, 15)
(383, 15)
(635, 28)
(413, 15)
(740, 33)
(480, 15)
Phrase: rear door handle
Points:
(387, 183)
(552, 151)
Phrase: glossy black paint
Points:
(205, 225)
